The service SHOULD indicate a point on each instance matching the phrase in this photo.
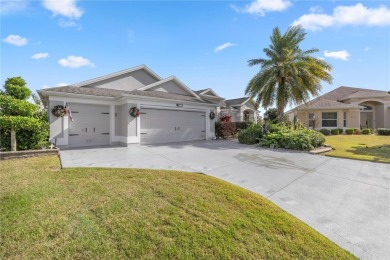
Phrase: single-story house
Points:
(346, 107)
(133, 106)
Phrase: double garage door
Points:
(91, 125)
(165, 126)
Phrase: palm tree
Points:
(289, 75)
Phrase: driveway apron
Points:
(346, 200)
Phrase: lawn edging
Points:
(28, 153)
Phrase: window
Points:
(311, 119)
(345, 119)
(329, 119)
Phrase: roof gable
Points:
(171, 85)
(141, 76)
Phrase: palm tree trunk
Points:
(13, 139)
(280, 114)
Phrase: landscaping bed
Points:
(107, 213)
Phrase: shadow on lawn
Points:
(380, 153)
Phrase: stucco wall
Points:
(56, 123)
(128, 81)
(170, 87)
(353, 119)
(379, 116)
(131, 122)
(121, 120)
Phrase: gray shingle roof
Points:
(332, 99)
(235, 102)
(117, 93)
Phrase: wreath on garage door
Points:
(58, 111)
(212, 115)
(135, 112)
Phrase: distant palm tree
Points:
(289, 75)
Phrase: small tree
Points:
(16, 113)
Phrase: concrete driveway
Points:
(346, 200)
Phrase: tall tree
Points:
(289, 75)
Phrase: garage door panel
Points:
(90, 126)
(164, 126)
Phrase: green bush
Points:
(300, 139)
(349, 131)
(251, 134)
(383, 131)
(356, 131)
(26, 139)
(242, 125)
(366, 131)
(325, 131)
(340, 130)
(334, 131)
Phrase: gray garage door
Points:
(91, 125)
(165, 126)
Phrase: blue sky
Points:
(203, 43)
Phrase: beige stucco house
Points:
(100, 111)
(346, 107)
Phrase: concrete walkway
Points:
(346, 200)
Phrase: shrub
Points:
(340, 130)
(366, 131)
(225, 129)
(349, 131)
(383, 131)
(26, 138)
(334, 131)
(302, 139)
(242, 125)
(356, 131)
(251, 134)
(325, 131)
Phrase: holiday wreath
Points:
(134, 111)
(58, 111)
(212, 115)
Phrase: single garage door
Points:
(91, 125)
(164, 126)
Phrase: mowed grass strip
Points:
(374, 148)
(133, 213)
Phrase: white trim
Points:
(215, 95)
(61, 96)
(176, 80)
(165, 100)
(115, 74)
(112, 123)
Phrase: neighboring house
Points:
(170, 111)
(240, 109)
(346, 107)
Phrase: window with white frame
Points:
(329, 119)
(311, 119)
(345, 119)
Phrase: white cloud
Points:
(346, 15)
(260, 7)
(7, 6)
(45, 86)
(367, 49)
(224, 46)
(65, 24)
(38, 56)
(16, 40)
(62, 84)
(75, 62)
(340, 55)
(66, 8)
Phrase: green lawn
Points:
(362, 147)
(143, 214)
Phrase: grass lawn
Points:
(374, 148)
(131, 213)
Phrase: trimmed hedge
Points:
(366, 131)
(325, 131)
(225, 129)
(349, 131)
(250, 135)
(340, 130)
(383, 131)
(334, 131)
